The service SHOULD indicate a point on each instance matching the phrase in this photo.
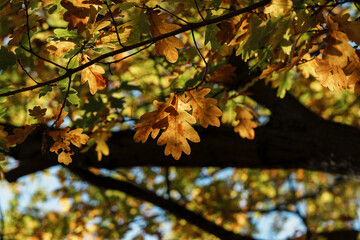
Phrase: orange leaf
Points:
(166, 46)
(246, 126)
(153, 121)
(203, 108)
(179, 131)
(56, 115)
(20, 134)
(92, 74)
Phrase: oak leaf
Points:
(166, 46)
(20, 134)
(38, 113)
(93, 74)
(65, 157)
(179, 131)
(62, 138)
(223, 75)
(153, 121)
(203, 108)
(56, 117)
(59, 48)
(246, 126)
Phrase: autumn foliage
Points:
(78, 71)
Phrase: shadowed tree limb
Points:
(166, 204)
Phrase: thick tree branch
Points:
(166, 204)
(186, 28)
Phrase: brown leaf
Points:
(223, 75)
(246, 126)
(203, 108)
(228, 30)
(38, 113)
(166, 46)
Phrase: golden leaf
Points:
(59, 48)
(153, 121)
(62, 138)
(101, 147)
(92, 74)
(179, 130)
(3, 133)
(203, 108)
(278, 7)
(20, 134)
(166, 46)
(246, 126)
(65, 157)
(56, 115)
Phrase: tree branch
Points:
(188, 27)
(166, 204)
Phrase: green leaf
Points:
(215, 4)
(116, 102)
(7, 58)
(45, 90)
(285, 85)
(210, 35)
(94, 105)
(64, 33)
(126, 5)
(73, 97)
(2, 112)
(126, 86)
(140, 25)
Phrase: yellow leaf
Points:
(101, 146)
(3, 133)
(246, 126)
(59, 48)
(65, 157)
(179, 130)
(278, 7)
(166, 46)
(92, 74)
(77, 138)
(203, 108)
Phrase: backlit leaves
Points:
(204, 108)
(93, 75)
(246, 126)
(159, 26)
(173, 116)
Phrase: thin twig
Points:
(44, 59)
(130, 55)
(26, 3)
(189, 27)
(113, 19)
(22, 67)
(181, 19)
(197, 8)
(202, 57)
(69, 85)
